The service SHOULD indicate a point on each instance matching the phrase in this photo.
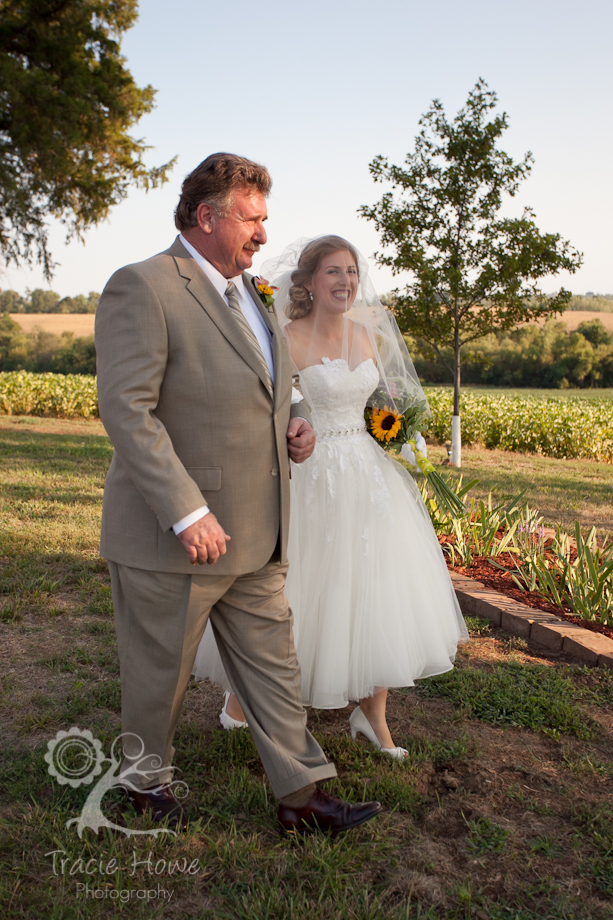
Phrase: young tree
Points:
(41, 301)
(11, 302)
(474, 270)
(66, 104)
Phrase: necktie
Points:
(232, 296)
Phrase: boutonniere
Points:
(265, 290)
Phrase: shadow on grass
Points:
(49, 450)
(50, 572)
(19, 494)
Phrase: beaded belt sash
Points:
(342, 432)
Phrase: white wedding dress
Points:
(372, 599)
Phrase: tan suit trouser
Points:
(160, 618)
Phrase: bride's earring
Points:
(311, 296)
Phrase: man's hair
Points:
(214, 182)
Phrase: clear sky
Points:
(314, 90)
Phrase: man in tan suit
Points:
(194, 388)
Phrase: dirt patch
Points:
(511, 781)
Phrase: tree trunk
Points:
(456, 434)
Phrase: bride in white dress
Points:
(373, 603)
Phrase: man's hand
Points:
(204, 541)
(300, 440)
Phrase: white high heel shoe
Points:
(227, 721)
(359, 723)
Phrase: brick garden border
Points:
(545, 629)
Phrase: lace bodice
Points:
(338, 395)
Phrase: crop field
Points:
(573, 318)
(501, 812)
(83, 323)
(554, 427)
(56, 395)
(538, 392)
(79, 323)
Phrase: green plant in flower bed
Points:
(58, 395)
(485, 530)
(574, 427)
(439, 515)
(584, 584)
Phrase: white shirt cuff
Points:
(190, 519)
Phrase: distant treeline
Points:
(40, 301)
(599, 303)
(44, 351)
(531, 356)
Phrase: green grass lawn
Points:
(564, 491)
(503, 809)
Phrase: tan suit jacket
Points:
(187, 408)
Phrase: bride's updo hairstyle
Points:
(300, 302)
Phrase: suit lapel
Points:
(248, 279)
(273, 326)
(215, 306)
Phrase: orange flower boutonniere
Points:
(265, 290)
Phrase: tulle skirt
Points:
(372, 598)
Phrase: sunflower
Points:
(385, 424)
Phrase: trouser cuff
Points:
(302, 780)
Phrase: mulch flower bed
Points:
(482, 570)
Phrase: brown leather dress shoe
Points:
(161, 804)
(325, 813)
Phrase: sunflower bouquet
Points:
(395, 430)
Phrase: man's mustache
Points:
(252, 247)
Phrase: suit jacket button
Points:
(274, 472)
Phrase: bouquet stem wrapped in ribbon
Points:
(394, 430)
